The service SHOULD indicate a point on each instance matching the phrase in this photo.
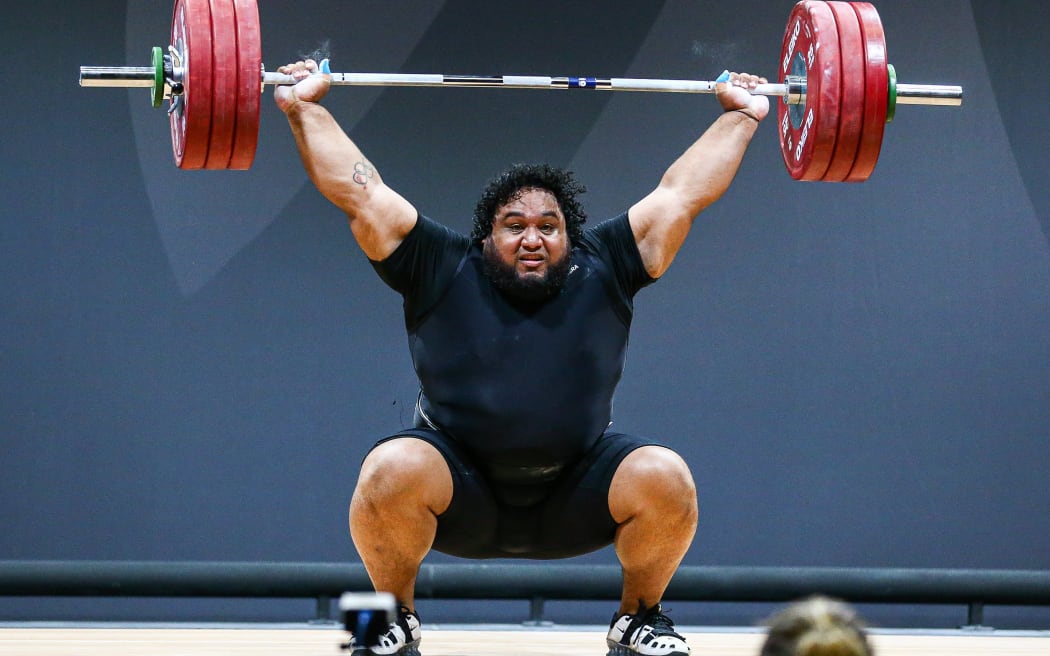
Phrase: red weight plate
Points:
(223, 84)
(810, 49)
(191, 121)
(876, 93)
(249, 83)
(851, 101)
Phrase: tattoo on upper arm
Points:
(363, 172)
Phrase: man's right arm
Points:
(379, 216)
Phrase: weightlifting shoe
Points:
(647, 633)
(401, 639)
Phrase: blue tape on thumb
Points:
(324, 66)
(724, 77)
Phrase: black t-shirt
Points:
(516, 384)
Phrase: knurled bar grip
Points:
(907, 94)
(522, 82)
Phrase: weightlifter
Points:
(518, 333)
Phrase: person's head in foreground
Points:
(816, 626)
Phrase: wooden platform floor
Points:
(209, 641)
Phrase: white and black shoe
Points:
(647, 633)
(401, 639)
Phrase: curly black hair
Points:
(505, 186)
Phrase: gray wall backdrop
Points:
(193, 364)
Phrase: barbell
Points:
(837, 89)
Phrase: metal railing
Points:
(536, 582)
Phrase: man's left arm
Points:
(699, 177)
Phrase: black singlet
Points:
(517, 385)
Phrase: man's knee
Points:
(405, 468)
(658, 467)
(653, 476)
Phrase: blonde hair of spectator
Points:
(816, 626)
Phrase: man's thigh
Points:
(570, 517)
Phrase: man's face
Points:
(527, 253)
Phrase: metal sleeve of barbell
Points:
(929, 94)
(117, 76)
(522, 82)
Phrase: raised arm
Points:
(379, 216)
(699, 177)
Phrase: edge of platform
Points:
(569, 628)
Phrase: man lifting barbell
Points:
(518, 334)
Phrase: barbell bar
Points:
(145, 77)
(836, 90)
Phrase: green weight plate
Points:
(158, 77)
(891, 105)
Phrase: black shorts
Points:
(552, 514)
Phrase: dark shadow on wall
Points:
(1012, 36)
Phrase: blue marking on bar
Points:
(583, 83)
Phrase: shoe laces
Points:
(654, 617)
(400, 620)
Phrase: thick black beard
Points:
(530, 289)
